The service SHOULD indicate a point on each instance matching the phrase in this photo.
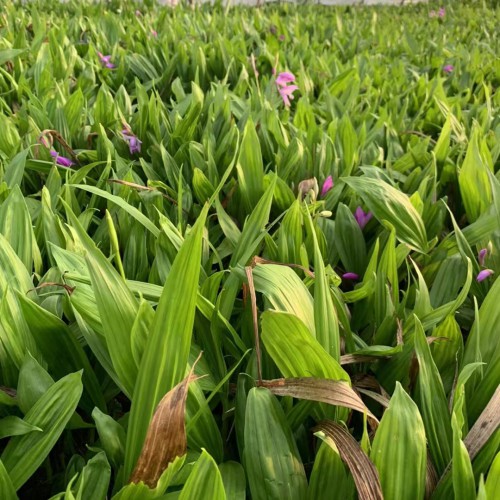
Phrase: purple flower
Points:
(327, 185)
(106, 61)
(281, 38)
(362, 217)
(485, 273)
(134, 143)
(448, 68)
(350, 276)
(441, 12)
(481, 257)
(61, 160)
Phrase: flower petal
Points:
(350, 276)
(485, 273)
(283, 78)
(327, 185)
(481, 257)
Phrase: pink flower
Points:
(362, 217)
(286, 93)
(284, 79)
(327, 185)
(441, 12)
(281, 38)
(61, 160)
(106, 61)
(448, 68)
(154, 33)
(350, 276)
(481, 257)
(485, 273)
(432, 13)
(138, 13)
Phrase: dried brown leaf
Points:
(431, 477)
(487, 423)
(253, 298)
(362, 469)
(334, 392)
(166, 436)
(379, 398)
(349, 359)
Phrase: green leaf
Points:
(7, 490)
(473, 180)
(116, 304)
(205, 481)
(166, 354)
(432, 402)
(94, 479)
(131, 210)
(329, 480)
(295, 351)
(492, 484)
(390, 204)
(399, 450)
(233, 478)
(112, 436)
(14, 426)
(325, 317)
(272, 461)
(250, 168)
(24, 454)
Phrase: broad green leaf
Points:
(272, 462)
(233, 478)
(14, 426)
(295, 351)
(285, 291)
(329, 480)
(492, 484)
(250, 168)
(399, 450)
(473, 180)
(325, 317)
(432, 403)
(390, 204)
(205, 481)
(24, 454)
(166, 353)
(7, 490)
(112, 436)
(117, 307)
(94, 479)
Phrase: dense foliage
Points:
(249, 253)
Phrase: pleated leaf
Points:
(272, 462)
(24, 454)
(166, 353)
(432, 403)
(399, 450)
(388, 203)
(296, 352)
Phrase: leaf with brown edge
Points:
(166, 436)
(487, 423)
(333, 392)
(362, 469)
